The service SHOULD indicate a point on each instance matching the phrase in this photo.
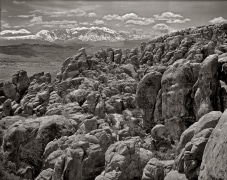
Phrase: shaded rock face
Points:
(192, 144)
(177, 102)
(214, 159)
(206, 96)
(147, 91)
(21, 81)
(78, 157)
(26, 140)
(8, 90)
(125, 160)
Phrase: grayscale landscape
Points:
(113, 90)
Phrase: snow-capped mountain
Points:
(9, 33)
(80, 33)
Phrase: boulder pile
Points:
(157, 111)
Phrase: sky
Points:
(126, 16)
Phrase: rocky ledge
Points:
(153, 112)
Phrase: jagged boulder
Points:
(146, 94)
(8, 90)
(125, 160)
(192, 144)
(177, 102)
(29, 138)
(156, 169)
(79, 157)
(21, 81)
(207, 87)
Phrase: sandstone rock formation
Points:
(152, 112)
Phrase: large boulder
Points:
(177, 103)
(192, 144)
(209, 120)
(156, 169)
(214, 160)
(26, 139)
(206, 96)
(21, 81)
(146, 94)
(174, 175)
(125, 160)
(78, 157)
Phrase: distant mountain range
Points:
(85, 34)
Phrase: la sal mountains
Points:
(85, 34)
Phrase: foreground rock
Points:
(77, 157)
(26, 140)
(192, 144)
(214, 160)
(125, 160)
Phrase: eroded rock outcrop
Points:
(214, 159)
(26, 140)
(147, 91)
(192, 144)
(121, 113)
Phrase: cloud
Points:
(130, 18)
(4, 11)
(140, 22)
(36, 19)
(69, 13)
(92, 14)
(24, 16)
(4, 24)
(18, 2)
(218, 20)
(178, 20)
(167, 16)
(110, 17)
(171, 17)
(84, 23)
(163, 28)
(98, 22)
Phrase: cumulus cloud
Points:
(130, 18)
(141, 22)
(92, 14)
(110, 17)
(121, 18)
(171, 17)
(167, 16)
(163, 28)
(98, 22)
(218, 20)
(18, 2)
(36, 19)
(178, 20)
